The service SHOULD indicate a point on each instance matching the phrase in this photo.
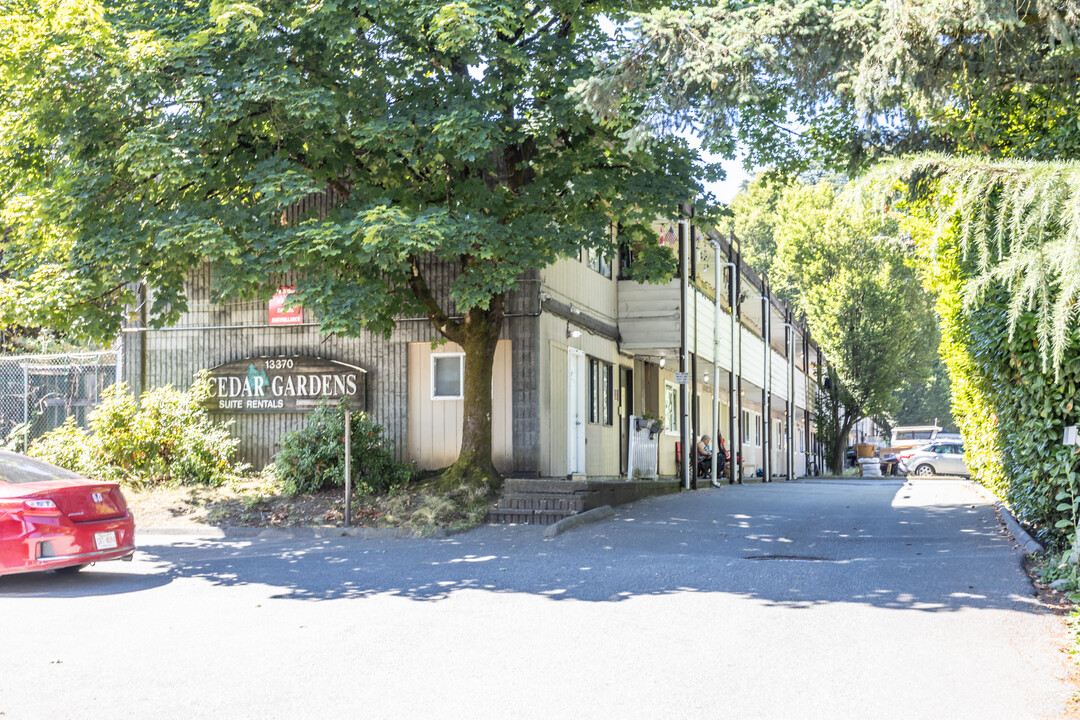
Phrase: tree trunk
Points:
(478, 337)
(839, 446)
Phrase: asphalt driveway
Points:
(811, 599)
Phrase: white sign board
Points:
(682, 378)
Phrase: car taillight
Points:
(40, 507)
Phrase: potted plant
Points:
(653, 423)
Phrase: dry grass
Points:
(258, 502)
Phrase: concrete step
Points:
(526, 517)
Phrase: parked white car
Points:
(938, 458)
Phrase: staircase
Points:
(543, 502)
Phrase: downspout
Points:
(684, 390)
(736, 451)
(695, 398)
(766, 386)
(790, 455)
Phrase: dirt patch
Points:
(256, 502)
(1059, 604)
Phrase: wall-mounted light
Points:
(572, 332)
(705, 378)
(663, 361)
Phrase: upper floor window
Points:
(597, 261)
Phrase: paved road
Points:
(831, 599)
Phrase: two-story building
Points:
(582, 351)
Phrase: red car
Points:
(54, 519)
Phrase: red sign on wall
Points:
(279, 315)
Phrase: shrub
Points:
(67, 446)
(169, 439)
(313, 458)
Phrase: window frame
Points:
(672, 417)
(597, 262)
(601, 396)
(435, 357)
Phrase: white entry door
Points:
(575, 406)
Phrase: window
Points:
(745, 427)
(448, 376)
(757, 430)
(779, 434)
(598, 262)
(672, 420)
(599, 392)
(915, 435)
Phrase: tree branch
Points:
(419, 287)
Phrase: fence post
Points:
(26, 403)
(348, 466)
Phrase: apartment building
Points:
(585, 353)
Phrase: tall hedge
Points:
(1011, 410)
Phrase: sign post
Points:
(348, 467)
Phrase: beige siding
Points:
(649, 315)
(702, 327)
(800, 389)
(753, 358)
(779, 374)
(573, 281)
(601, 441)
(434, 436)
(553, 424)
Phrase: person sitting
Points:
(721, 455)
(704, 454)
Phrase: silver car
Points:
(938, 458)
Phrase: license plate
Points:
(105, 540)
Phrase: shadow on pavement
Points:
(90, 582)
(792, 544)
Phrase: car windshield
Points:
(15, 468)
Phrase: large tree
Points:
(141, 137)
(845, 83)
(853, 277)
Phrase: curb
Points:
(1030, 545)
(219, 533)
(569, 523)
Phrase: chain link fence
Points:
(39, 392)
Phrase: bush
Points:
(169, 439)
(313, 458)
